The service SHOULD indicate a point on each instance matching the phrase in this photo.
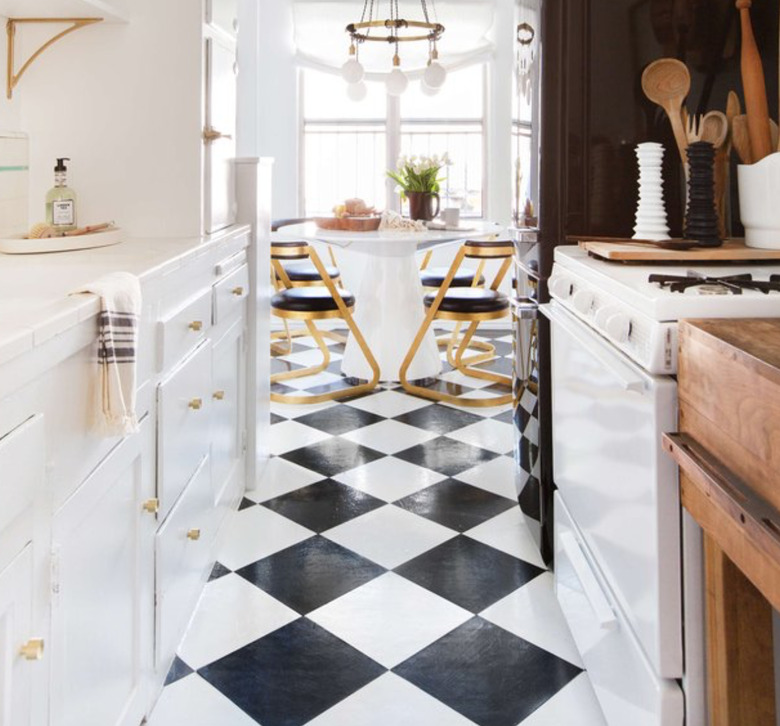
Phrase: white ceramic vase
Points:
(759, 202)
(650, 221)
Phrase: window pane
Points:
(461, 97)
(325, 97)
(341, 162)
(463, 142)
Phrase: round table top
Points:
(370, 241)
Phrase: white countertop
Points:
(35, 300)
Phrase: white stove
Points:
(639, 316)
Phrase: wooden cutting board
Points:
(625, 250)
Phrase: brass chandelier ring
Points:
(436, 30)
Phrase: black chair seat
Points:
(470, 300)
(309, 300)
(435, 276)
(307, 272)
(487, 243)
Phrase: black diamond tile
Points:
(505, 417)
(468, 573)
(447, 456)
(442, 386)
(488, 674)
(219, 570)
(283, 366)
(292, 675)
(338, 420)
(246, 503)
(311, 573)
(497, 365)
(332, 456)
(439, 419)
(455, 504)
(276, 418)
(323, 505)
(178, 670)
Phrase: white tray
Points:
(25, 246)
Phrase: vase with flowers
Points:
(419, 182)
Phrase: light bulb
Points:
(357, 91)
(352, 71)
(427, 90)
(397, 82)
(435, 75)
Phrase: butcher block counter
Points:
(728, 449)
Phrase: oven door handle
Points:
(629, 380)
(590, 585)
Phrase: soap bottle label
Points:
(63, 212)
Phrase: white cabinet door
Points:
(102, 600)
(229, 414)
(220, 136)
(16, 671)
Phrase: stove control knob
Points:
(618, 327)
(602, 315)
(560, 287)
(583, 301)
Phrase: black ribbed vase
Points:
(701, 218)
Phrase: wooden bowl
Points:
(349, 224)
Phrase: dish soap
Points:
(61, 201)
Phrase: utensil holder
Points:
(759, 205)
(701, 219)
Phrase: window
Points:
(346, 144)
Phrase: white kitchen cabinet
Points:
(223, 15)
(102, 592)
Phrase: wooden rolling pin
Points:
(755, 87)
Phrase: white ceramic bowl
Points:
(759, 202)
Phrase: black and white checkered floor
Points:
(381, 574)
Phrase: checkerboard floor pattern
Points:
(380, 574)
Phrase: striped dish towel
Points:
(120, 308)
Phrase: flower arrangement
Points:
(419, 173)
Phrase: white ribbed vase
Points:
(650, 221)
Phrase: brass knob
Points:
(152, 506)
(196, 404)
(210, 134)
(218, 395)
(238, 291)
(193, 534)
(32, 649)
(196, 325)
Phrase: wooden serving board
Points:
(624, 250)
(349, 224)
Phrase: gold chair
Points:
(309, 304)
(471, 306)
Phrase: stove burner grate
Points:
(733, 284)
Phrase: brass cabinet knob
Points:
(152, 506)
(196, 404)
(218, 395)
(238, 291)
(193, 534)
(196, 325)
(210, 134)
(32, 649)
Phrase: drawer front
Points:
(22, 458)
(628, 689)
(183, 557)
(183, 431)
(230, 293)
(184, 329)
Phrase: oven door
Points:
(619, 487)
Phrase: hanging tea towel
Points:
(120, 308)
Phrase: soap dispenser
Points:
(61, 201)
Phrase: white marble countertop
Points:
(35, 299)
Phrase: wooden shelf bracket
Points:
(13, 78)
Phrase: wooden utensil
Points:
(755, 88)
(714, 128)
(667, 82)
(741, 138)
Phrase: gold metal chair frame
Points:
(344, 312)
(457, 347)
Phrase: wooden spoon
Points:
(714, 128)
(667, 82)
(740, 136)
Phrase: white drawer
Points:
(182, 559)
(230, 293)
(183, 431)
(182, 330)
(628, 689)
(22, 460)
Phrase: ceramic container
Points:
(759, 192)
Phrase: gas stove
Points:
(636, 307)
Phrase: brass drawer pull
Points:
(218, 395)
(32, 649)
(193, 534)
(152, 506)
(196, 325)
(238, 291)
(196, 404)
